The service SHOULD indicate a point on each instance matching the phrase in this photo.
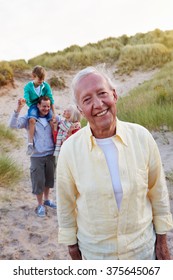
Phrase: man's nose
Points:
(97, 102)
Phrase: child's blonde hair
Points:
(75, 114)
(39, 71)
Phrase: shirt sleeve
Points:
(17, 122)
(66, 201)
(158, 191)
(27, 95)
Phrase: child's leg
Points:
(31, 131)
(32, 117)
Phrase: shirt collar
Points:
(120, 134)
(42, 85)
(121, 131)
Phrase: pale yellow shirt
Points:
(87, 209)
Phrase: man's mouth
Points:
(101, 113)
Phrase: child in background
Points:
(32, 91)
(68, 125)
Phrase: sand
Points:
(24, 236)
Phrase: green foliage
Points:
(19, 64)
(10, 173)
(156, 36)
(148, 45)
(75, 57)
(150, 104)
(143, 56)
(146, 50)
(73, 48)
(6, 73)
(83, 122)
(57, 82)
(161, 95)
(6, 133)
(114, 43)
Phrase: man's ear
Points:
(115, 95)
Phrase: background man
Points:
(42, 160)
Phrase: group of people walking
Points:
(46, 134)
(112, 198)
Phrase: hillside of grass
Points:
(150, 104)
(143, 50)
(146, 50)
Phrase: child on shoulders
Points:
(32, 91)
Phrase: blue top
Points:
(43, 140)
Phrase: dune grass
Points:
(151, 49)
(150, 104)
(145, 56)
(10, 171)
(6, 73)
(6, 133)
(143, 50)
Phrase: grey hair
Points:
(75, 115)
(85, 72)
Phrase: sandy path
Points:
(23, 234)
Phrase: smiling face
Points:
(67, 113)
(44, 107)
(97, 103)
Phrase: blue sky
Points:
(32, 27)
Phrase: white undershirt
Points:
(37, 90)
(111, 154)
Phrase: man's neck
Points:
(100, 134)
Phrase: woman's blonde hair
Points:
(75, 114)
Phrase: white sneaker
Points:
(30, 149)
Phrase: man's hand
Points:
(54, 123)
(74, 252)
(162, 251)
(20, 104)
(54, 117)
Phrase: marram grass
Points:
(150, 104)
(10, 172)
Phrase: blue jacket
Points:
(43, 139)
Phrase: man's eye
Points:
(103, 93)
(87, 100)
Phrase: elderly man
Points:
(112, 197)
(42, 160)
